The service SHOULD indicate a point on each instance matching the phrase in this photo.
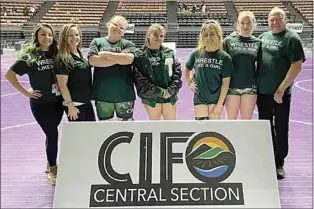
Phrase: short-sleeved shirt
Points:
(115, 83)
(210, 69)
(279, 51)
(245, 53)
(41, 76)
(79, 78)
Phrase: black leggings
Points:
(86, 113)
(49, 115)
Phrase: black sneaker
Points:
(281, 174)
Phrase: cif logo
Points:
(210, 157)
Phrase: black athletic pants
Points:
(278, 115)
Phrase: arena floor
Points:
(24, 183)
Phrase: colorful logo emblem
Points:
(210, 157)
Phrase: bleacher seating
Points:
(138, 38)
(14, 11)
(184, 27)
(306, 9)
(76, 11)
(11, 35)
(143, 13)
(261, 9)
(214, 10)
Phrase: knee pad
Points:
(201, 118)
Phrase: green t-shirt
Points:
(115, 83)
(79, 78)
(210, 69)
(41, 76)
(279, 51)
(245, 53)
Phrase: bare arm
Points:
(189, 79)
(292, 74)
(62, 81)
(97, 61)
(224, 90)
(72, 110)
(11, 77)
(187, 74)
(216, 114)
(119, 58)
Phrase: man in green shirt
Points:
(282, 57)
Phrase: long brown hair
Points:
(31, 53)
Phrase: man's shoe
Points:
(281, 174)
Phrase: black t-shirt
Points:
(79, 78)
(41, 76)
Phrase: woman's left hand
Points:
(216, 114)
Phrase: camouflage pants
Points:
(124, 110)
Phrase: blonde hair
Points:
(64, 53)
(153, 27)
(244, 14)
(119, 18)
(277, 11)
(209, 24)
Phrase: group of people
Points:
(237, 73)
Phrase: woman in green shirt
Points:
(245, 51)
(213, 68)
(113, 83)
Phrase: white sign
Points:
(130, 28)
(170, 45)
(297, 27)
(174, 164)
